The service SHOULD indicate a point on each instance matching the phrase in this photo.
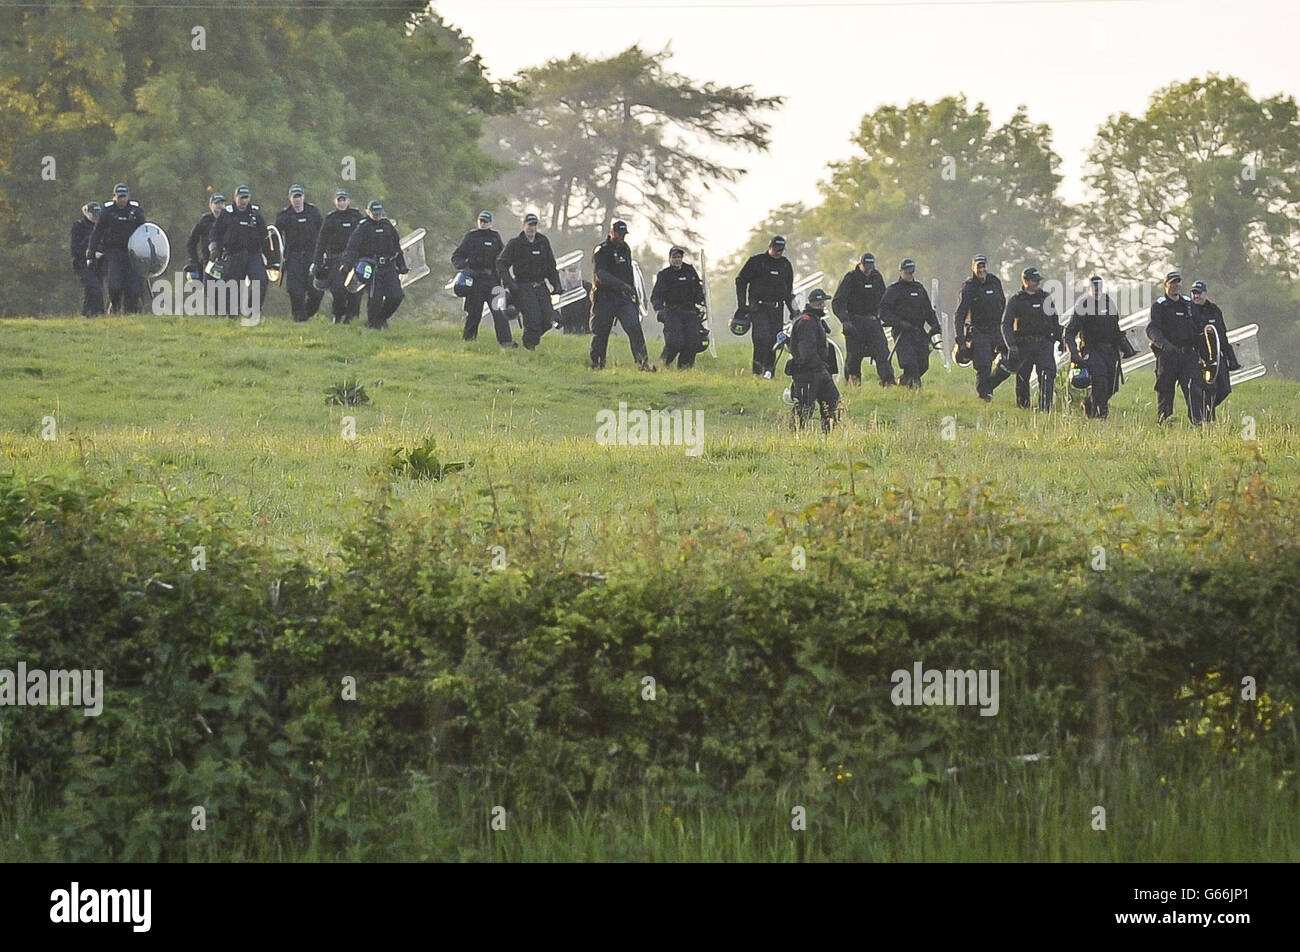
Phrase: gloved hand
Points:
(1233, 364)
(212, 250)
(660, 314)
(1013, 353)
(402, 271)
(98, 255)
(740, 314)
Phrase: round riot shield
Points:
(149, 249)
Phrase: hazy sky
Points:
(1071, 62)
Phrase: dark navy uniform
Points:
(764, 287)
(810, 366)
(197, 246)
(1030, 330)
(85, 268)
(1095, 341)
(335, 233)
(525, 268)
(905, 309)
(379, 241)
(477, 255)
(1207, 314)
(1176, 337)
(112, 232)
(300, 231)
(614, 298)
(677, 297)
(857, 305)
(240, 238)
(979, 317)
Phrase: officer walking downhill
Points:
(677, 297)
(118, 220)
(1176, 333)
(299, 225)
(810, 365)
(84, 265)
(335, 233)
(477, 255)
(1096, 343)
(857, 305)
(1208, 313)
(905, 309)
(238, 240)
(979, 324)
(525, 268)
(614, 298)
(764, 287)
(376, 239)
(1030, 329)
(196, 248)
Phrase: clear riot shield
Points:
(413, 250)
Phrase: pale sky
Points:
(1071, 62)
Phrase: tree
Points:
(599, 139)
(938, 183)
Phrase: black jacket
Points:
(79, 241)
(1030, 317)
(115, 226)
(377, 240)
(859, 294)
(478, 251)
(299, 229)
(335, 233)
(1093, 328)
(1173, 324)
(532, 262)
(235, 232)
(981, 306)
(906, 307)
(1210, 313)
(197, 247)
(765, 278)
(678, 288)
(809, 344)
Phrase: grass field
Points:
(203, 409)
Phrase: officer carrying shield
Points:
(764, 286)
(979, 325)
(118, 220)
(1208, 313)
(196, 248)
(1175, 333)
(857, 305)
(810, 364)
(335, 233)
(615, 298)
(84, 265)
(476, 255)
(905, 308)
(1030, 327)
(1096, 343)
(677, 297)
(377, 239)
(238, 239)
(525, 267)
(299, 225)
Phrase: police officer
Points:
(810, 364)
(525, 268)
(477, 255)
(1095, 341)
(376, 238)
(1207, 313)
(614, 298)
(764, 286)
(677, 298)
(857, 305)
(1030, 328)
(335, 233)
(1175, 333)
(575, 317)
(979, 322)
(196, 248)
(299, 225)
(905, 308)
(84, 265)
(118, 220)
(238, 238)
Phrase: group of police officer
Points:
(230, 242)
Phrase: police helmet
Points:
(961, 353)
(360, 276)
(1080, 379)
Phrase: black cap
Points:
(243, 192)
(121, 189)
(530, 219)
(375, 206)
(340, 193)
(1095, 279)
(216, 197)
(619, 226)
(676, 250)
(1032, 274)
(1173, 276)
(778, 242)
(1199, 286)
(817, 295)
(486, 216)
(907, 265)
(868, 258)
(296, 190)
(93, 207)
(979, 259)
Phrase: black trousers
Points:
(344, 305)
(304, 299)
(864, 337)
(247, 264)
(913, 353)
(124, 285)
(479, 294)
(534, 302)
(385, 295)
(606, 310)
(1103, 371)
(92, 292)
(1037, 356)
(1182, 371)
(984, 345)
(681, 336)
(818, 390)
(765, 325)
